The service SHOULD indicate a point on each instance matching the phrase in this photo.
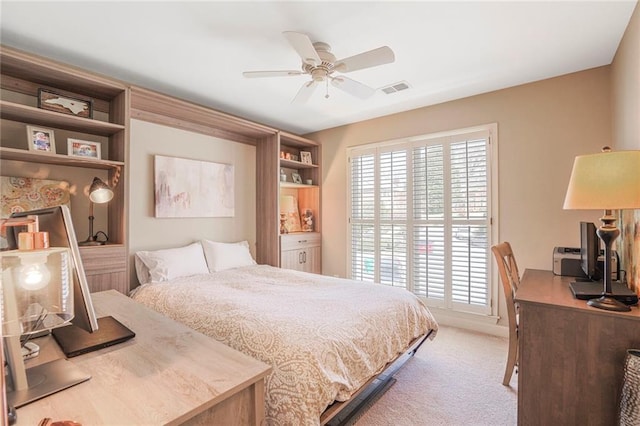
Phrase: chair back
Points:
(509, 276)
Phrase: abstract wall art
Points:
(193, 188)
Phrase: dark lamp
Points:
(605, 181)
(99, 192)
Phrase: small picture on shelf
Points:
(295, 177)
(305, 157)
(41, 139)
(80, 148)
(64, 104)
(289, 214)
(306, 219)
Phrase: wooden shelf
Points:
(296, 185)
(23, 75)
(289, 139)
(57, 159)
(291, 164)
(42, 117)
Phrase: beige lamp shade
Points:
(605, 181)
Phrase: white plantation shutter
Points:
(469, 219)
(363, 213)
(429, 267)
(392, 181)
(420, 218)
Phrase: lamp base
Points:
(91, 243)
(608, 303)
(46, 379)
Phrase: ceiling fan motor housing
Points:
(321, 72)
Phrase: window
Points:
(420, 216)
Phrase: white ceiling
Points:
(198, 50)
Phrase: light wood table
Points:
(168, 374)
(571, 354)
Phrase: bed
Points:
(324, 337)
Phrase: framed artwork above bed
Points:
(193, 188)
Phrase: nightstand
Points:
(168, 374)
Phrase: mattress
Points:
(324, 337)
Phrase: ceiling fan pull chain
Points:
(327, 88)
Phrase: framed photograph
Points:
(80, 148)
(65, 104)
(296, 177)
(41, 139)
(305, 157)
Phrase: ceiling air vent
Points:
(395, 87)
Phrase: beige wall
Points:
(149, 233)
(625, 84)
(625, 87)
(542, 126)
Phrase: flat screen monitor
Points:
(57, 221)
(589, 250)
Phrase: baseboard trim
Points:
(472, 322)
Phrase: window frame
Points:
(490, 131)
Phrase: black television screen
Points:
(589, 250)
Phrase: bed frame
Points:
(342, 413)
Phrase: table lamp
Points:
(605, 181)
(37, 295)
(99, 192)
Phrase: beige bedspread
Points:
(324, 337)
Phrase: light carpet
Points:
(455, 379)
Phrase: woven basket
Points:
(630, 398)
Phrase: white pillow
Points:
(221, 256)
(165, 265)
(141, 270)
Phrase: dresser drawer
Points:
(299, 240)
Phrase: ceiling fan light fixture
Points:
(319, 74)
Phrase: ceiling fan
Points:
(322, 66)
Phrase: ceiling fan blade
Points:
(353, 87)
(302, 44)
(305, 92)
(372, 58)
(283, 73)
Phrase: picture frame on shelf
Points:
(41, 139)
(306, 220)
(85, 149)
(296, 178)
(53, 101)
(305, 157)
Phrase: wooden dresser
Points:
(168, 374)
(571, 355)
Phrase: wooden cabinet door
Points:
(306, 259)
(290, 259)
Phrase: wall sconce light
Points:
(99, 192)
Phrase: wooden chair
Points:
(510, 279)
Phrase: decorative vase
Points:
(630, 397)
